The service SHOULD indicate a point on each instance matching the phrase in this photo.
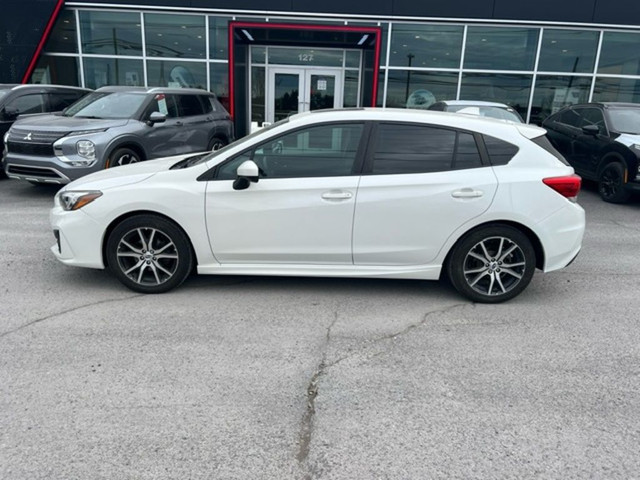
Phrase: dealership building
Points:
(265, 60)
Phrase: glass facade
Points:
(536, 70)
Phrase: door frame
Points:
(304, 83)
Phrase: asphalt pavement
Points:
(298, 378)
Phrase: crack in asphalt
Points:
(53, 315)
(306, 429)
(409, 328)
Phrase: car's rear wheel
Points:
(611, 183)
(122, 156)
(149, 254)
(216, 143)
(492, 264)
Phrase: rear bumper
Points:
(561, 235)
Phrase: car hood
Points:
(125, 175)
(628, 139)
(58, 123)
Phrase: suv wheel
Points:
(492, 264)
(122, 156)
(149, 254)
(216, 143)
(611, 184)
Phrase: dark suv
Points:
(115, 126)
(34, 99)
(601, 141)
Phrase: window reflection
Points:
(171, 73)
(174, 35)
(568, 51)
(425, 45)
(111, 33)
(99, 72)
(219, 37)
(554, 92)
(619, 55)
(617, 90)
(407, 89)
(509, 89)
(501, 48)
(58, 70)
(219, 78)
(63, 36)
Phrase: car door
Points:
(196, 123)
(587, 146)
(166, 138)
(301, 209)
(420, 183)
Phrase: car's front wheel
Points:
(611, 183)
(149, 254)
(492, 264)
(122, 156)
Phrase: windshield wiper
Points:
(93, 117)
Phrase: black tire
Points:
(611, 185)
(492, 264)
(122, 156)
(149, 254)
(216, 143)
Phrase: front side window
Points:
(402, 149)
(318, 151)
(593, 116)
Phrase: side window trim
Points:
(358, 164)
(371, 145)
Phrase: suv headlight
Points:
(6, 137)
(73, 200)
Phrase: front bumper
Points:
(78, 238)
(44, 169)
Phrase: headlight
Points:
(73, 200)
(86, 149)
(86, 132)
(6, 137)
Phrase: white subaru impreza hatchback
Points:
(345, 193)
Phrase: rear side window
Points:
(402, 148)
(500, 152)
(207, 104)
(543, 142)
(189, 105)
(27, 104)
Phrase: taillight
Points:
(568, 186)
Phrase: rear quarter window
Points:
(543, 142)
(499, 151)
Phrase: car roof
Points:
(445, 119)
(40, 86)
(474, 103)
(605, 105)
(145, 90)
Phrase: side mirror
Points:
(591, 129)
(247, 172)
(156, 117)
(11, 113)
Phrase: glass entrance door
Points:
(293, 90)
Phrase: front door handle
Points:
(467, 193)
(337, 195)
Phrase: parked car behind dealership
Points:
(23, 100)
(602, 142)
(115, 126)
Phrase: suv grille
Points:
(32, 171)
(32, 142)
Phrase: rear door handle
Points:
(337, 195)
(467, 193)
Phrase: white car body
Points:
(393, 226)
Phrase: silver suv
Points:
(115, 126)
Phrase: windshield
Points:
(625, 120)
(487, 111)
(106, 105)
(190, 162)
